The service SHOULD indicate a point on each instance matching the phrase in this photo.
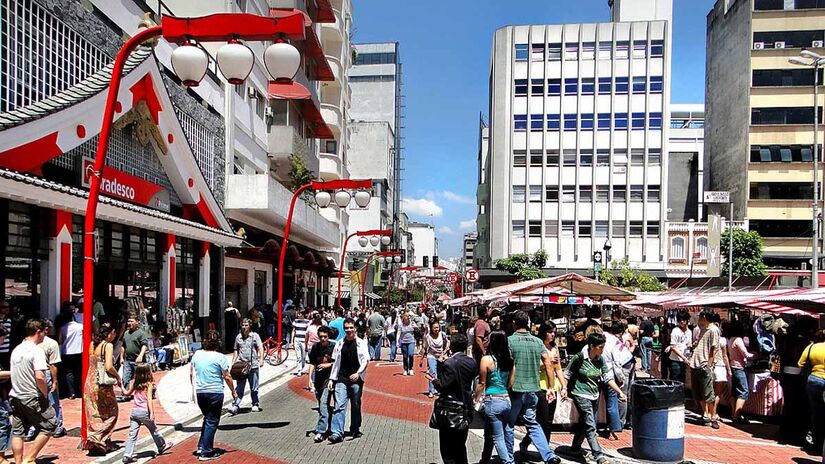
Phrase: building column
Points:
(60, 263)
(203, 280)
(168, 268)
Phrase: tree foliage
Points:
(398, 297)
(621, 274)
(300, 175)
(524, 266)
(747, 253)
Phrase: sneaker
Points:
(209, 457)
(59, 433)
(166, 447)
(256, 408)
(335, 439)
(714, 424)
(197, 452)
(430, 394)
(554, 460)
(412, 372)
(318, 438)
(128, 460)
(406, 373)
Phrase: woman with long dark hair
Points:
(495, 377)
(99, 392)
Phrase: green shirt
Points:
(526, 350)
(132, 343)
(584, 374)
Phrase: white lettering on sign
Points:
(113, 187)
(717, 197)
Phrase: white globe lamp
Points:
(323, 198)
(362, 198)
(235, 61)
(397, 259)
(374, 240)
(342, 198)
(363, 241)
(189, 63)
(282, 60)
(385, 239)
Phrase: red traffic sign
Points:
(452, 278)
(471, 275)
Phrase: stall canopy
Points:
(793, 301)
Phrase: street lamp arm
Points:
(282, 258)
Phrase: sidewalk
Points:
(174, 408)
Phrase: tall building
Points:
(425, 243)
(579, 115)
(468, 258)
(760, 114)
(685, 164)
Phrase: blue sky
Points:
(445, 51)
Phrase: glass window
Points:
(570, 121)
(588, 50)
(537, 87)
(521, 87)
(657, 48)
(622, 49)
(519, 192)
(518, 229)
(571, 85)
(601, 228)
(554, 52)
(637, 157)
(551, 228)
(806, 154)
(536, 158)
(552, 157)
(622, 84)
(586, 158)
(521, 52)
(605, 84)
(535, 193)
(537, 53)
(569, 158)
(571, 51)
(620, 157)
(639, 84)
(519, 122)
(702, 248)
(568, 194)
(587, 121)
(637, 193)
(568, 228)
(636, 228)
(536, 122)
(638, 120)
(654, 157)
(656, 84)
(760, 116)
(603, 193)
(654, 193)
(551, 193)
(534, 228)
(619, 193)
(586, 193)
(553, 121)
(677, 248)
(788, 39)
(519, 158)
(639, 49)
(620, 121)
(618, 228)
(604, 121)
(785, 153)
(602, 157)
(605, 50)
(585, 229)
(655, 120)
(553, 87)
(588, 86)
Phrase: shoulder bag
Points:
(103, 377)
(240, 369)
(450, 413)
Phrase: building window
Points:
(780, 228)
(657, 48)
(639, 49)
(554, 52)
(605, 85)
(519, 122)
(571, 121)
(788, 39)
(537, 52)
(636, 228)
(569, 158)
(655, 120)
(535, 193)
(586, 193)
(620, 157)
(621, 121)
(586, 158)
(638, 120)
(553, 87)
(571, 51)
(602, 228)
(656, 84)
(637, 157)
(654, 193)
(519, 192)
(637, 193)
(781, 153)
(534, 228)
(585, 229)
(260, 104)
(784, 77)
(551, 193)
(568, 228)
(519, 158)
(618, 229)
(521, 52)
(536, 122)
(551, 228)
(571, 86)
(654, 157)
(619, 193)
(382, 57)
(604, 121)
(588, 50)
(605, 50)
(587, 121)
(761, 116)
(639, 84)
(701, 248)
(521, 87)
(622, 49)
(568, 194)
(518, 229)
(677, 248)
(537, 87)
(536, 158)
(588, 86)
(622, 85)
(603, 193)
(553, 121)
(552, 157)
(781, 191)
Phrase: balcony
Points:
(337, 70)
(333, 31)
(333, 118)
(263, 202)
(329, 166)
(282, 143)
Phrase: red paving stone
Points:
(65, 449)
(182, 452)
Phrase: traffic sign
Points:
(452, 278)
(717, 197)
(471, 275)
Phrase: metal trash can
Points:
(658, 420)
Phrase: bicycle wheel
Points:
(277, 356)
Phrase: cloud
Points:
(421, 207)
(467, 225)
(446, 230)
(454, 197)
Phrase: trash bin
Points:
(658, 420)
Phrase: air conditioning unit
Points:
(268, 112)
(779, 44)
(759, 45)
(818, 44)
(251, 93)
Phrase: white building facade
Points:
(425, 243)
(578, 139)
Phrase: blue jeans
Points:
(137, 418)
(407, 355)
(287, 338)
(128, 373)
(393, 346)
(815, 387)
(5, 425)
(210, 405)
(586, 428)
(346, 391)
(240, 386)
(523, 405)
(375, 347)
(677, 371)
(614, 418)
(432, 365)
(161, 356)
(645, 347)
(323, 411)
(497, 430)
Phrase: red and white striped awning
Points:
(775, 308)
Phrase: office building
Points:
(468, 250)
(426, 246)
(685, 168)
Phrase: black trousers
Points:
(73, 365)
(453, 446)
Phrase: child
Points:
(143, 412)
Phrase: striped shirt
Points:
(300, 326)
(4, 347)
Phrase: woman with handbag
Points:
(434, 349)
(453, 410)
(496, 375)
(99, 392)
(246, 363)
(812, 362)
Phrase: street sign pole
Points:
(730, 249)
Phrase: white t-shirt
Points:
(72, 338)
(681, 339)
(25, 359)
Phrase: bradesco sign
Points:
(118, 184)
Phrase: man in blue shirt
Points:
(338, 324)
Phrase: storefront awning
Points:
(36, 190)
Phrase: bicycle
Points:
(276, 353)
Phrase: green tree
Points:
(621, 274)
(524, 266)
(300, 175)
(747, 253)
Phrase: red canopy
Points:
(301, 96)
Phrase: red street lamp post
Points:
(190, 63)
(374, 237)
(323, 198)
(381, 255)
